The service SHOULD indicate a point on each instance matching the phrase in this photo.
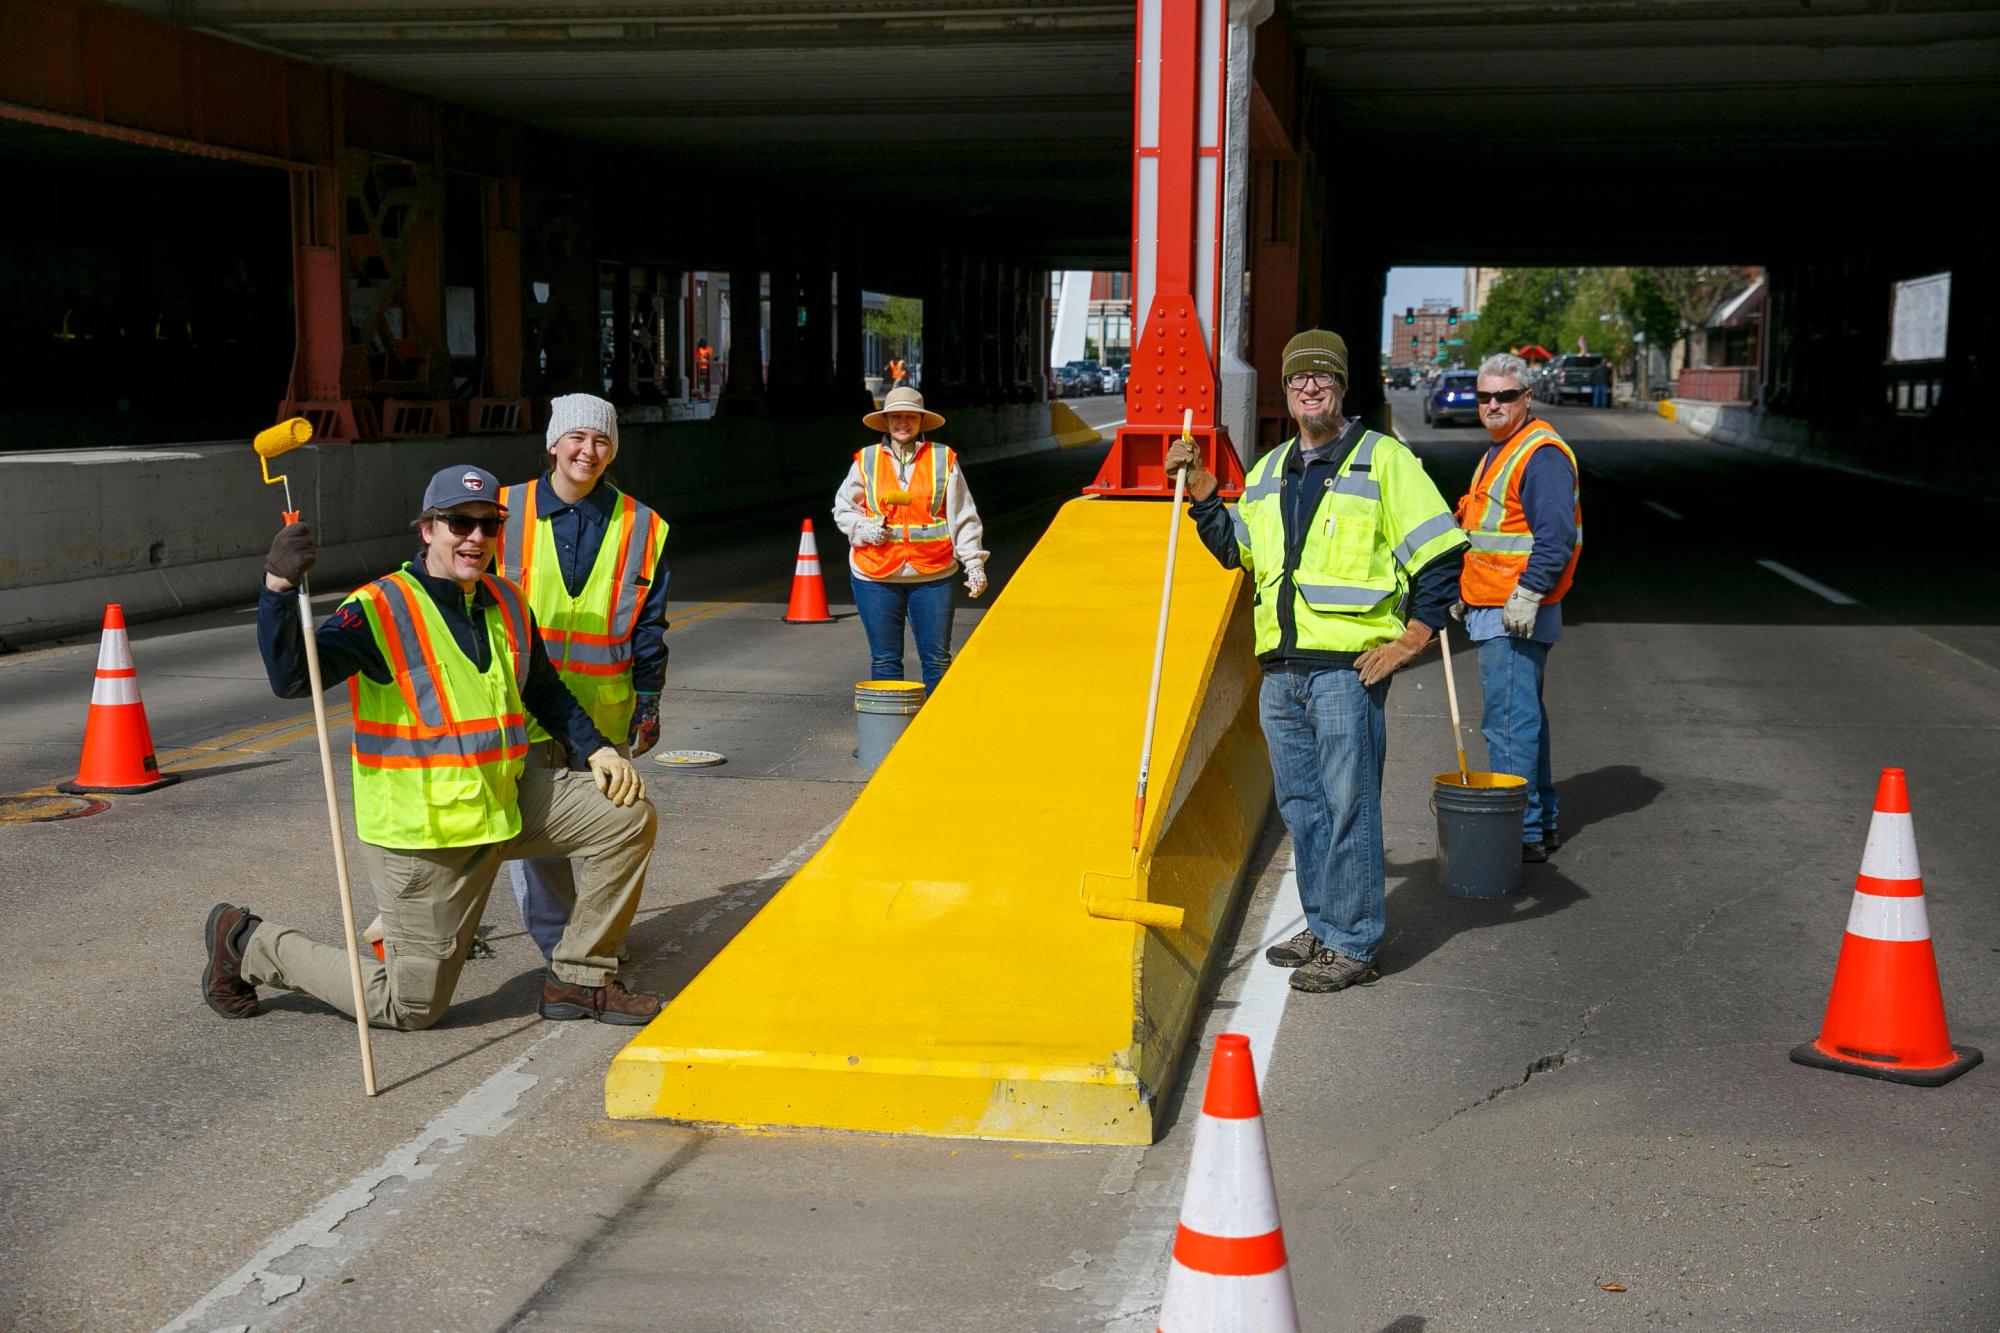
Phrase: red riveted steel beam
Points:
(1182, 67)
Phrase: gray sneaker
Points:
(1294, 952)
(1330, 970)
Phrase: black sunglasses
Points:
(1503, 396)
(461, 525)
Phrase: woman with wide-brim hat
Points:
(910, 526)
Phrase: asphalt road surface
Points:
(1571, 1110)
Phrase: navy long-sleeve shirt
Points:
(347, 647)
(579, 531)
(1433, 590)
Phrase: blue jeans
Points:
(926, 606)
(1516, 724)
(1328, 740)
(546, 892)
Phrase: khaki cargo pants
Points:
(431, 903)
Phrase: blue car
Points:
(1452, 399)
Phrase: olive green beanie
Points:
(1316, 349)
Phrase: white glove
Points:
(870, 532)
(1519, 614)
(975, 577)
(1457, 612)
(615, 777)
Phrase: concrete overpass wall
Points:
(180, 528)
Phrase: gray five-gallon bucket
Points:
(882, 713)
(1479, 833)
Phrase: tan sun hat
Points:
(902, 398)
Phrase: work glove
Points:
(1518, 615)
(870, 532)
(975, 578)
(1457, 612)
(645, 724)
(614, 775)
(292, 553)
(1186, 454)
(1376, 664)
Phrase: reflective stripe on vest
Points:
(919, 531)
(1496, 525)
(437, 750)
(589, 636)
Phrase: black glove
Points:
(292, 553)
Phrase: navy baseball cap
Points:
(462, 485)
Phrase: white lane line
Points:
(1111, 425)
(1834, 595)
(483, 1113)
(1659, 508)
(1147, 1247)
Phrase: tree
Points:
(1525, 306)
(901, 321)
(1595, 315)
(1691, 291)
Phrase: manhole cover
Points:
(687, 758)
(42, 809)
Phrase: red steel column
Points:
(1182, 59)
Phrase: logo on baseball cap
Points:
(462, 484)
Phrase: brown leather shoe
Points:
(222, 983)
(609, 1003)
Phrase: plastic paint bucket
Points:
(882, 713)
(1479, 833)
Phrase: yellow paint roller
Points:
(275, 440)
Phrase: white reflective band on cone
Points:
(114, 651)
(1876, 916)
(1892, 848)
(1201, 1303)
(115, 690)
(1229, 1186)
(806, 566)
(807, 544)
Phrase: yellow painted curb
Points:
(1069, 429)
(932, 970)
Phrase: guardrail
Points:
(1719, 384)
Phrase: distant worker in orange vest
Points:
(1524, 519)
(910, 526)
(703, 355)
(897, 371)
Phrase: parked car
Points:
(1452, 399)
(1111, 380)
(1578, 379)
(1546, 381)
(1399, 377)
(1082, 378)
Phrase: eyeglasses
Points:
(1503, 396)
(1317, 379)
(461, 525)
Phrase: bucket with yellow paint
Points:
(882, 713)
(1479, 832)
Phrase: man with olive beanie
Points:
(1336, 527)
(588, 557)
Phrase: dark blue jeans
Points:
(884, 607)
(1328, 740)
(1516, 724)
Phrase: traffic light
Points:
(1413, 342)
(1452, 319)
(1409, 314)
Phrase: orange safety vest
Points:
(896, 370)
(701, 356)
(919, 532)
(1497, 527)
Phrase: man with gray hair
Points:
(1523, 516)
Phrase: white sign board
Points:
(1918, 318)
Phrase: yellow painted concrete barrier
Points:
(936, 967)
(1668, 409)
(1070, 430)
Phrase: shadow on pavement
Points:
(1422, 917)
(1604, 794)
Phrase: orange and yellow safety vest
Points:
(1497, 526)
(912, 512)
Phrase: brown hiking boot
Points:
(1331, 970)
(609, 1003)
(1294, 952)
(222, 983)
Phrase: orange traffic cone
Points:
(808, 604)
(1229, 1272)
(117, 744)
(1885, 1018)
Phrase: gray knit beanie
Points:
(581, 411)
